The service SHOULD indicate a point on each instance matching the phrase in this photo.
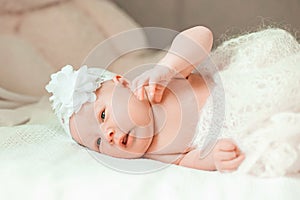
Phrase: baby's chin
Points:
(138, 147)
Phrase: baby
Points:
(156, 116)
(149, 124)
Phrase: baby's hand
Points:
(227, 156)
(157, 80)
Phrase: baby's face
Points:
(116, 124)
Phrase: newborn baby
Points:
(160, 113)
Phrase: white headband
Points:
(71, 89)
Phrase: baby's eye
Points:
(103, 115)
(98, 141)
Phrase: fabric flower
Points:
(71, 89)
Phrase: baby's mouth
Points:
(125, 139)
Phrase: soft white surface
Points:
(39, 161)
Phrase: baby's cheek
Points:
(140, 113)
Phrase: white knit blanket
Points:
(259, 74)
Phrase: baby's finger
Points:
(137, 87)
(137, 82)
(133, 86)
(227, 145)
(152, 90)
(158, 95)
(232, 164)
(238, 151)
(140, 93)
(225, 155)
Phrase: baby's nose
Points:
(110, 136)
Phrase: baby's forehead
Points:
(105, 87)
(84, 124)
(109, 91)
(73, 130)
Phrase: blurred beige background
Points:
(225, 18)
(37, 37)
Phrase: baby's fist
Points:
(227, 156)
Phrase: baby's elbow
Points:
(199, 31)
(203, 30)
(202, 35)
(205, 35)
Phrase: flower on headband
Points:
(71, 89)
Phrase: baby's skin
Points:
(155, 116)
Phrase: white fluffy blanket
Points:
(259, 76)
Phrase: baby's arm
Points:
(188, 49)
(225, 156)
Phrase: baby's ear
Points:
(121, 80)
